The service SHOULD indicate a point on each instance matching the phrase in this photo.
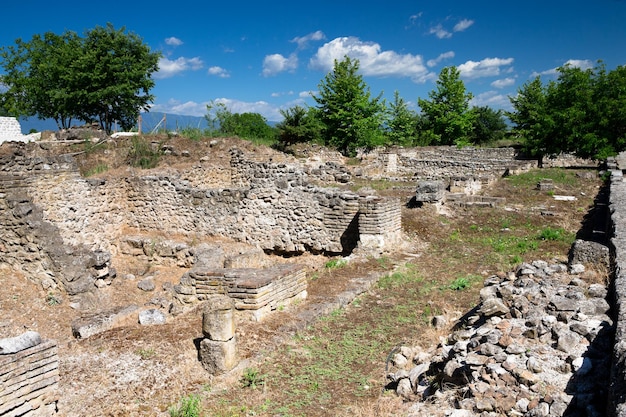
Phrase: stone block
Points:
(218, 357)
(430, 191)
(218, 321)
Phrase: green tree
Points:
(533, 123)
(244, 125)
(299, 125)
(402, 122)
(489, 125)
(582, 112)
(447, 113)
(115, 72)
(39, 77)
(351, 119)
(105, 76)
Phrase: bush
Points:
(142, 154)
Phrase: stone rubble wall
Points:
(446, 162)
(29, 381)
(617, 206)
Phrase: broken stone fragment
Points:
(493, 307)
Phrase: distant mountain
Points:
(152, 121)
(149, 122)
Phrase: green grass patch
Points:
(407, 274)
(187, 407)
(335, 263)
(559, 176)
(98, 169)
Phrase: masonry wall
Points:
(29, 381)
(617, 201)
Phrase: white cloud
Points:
(303, 41)
(372, 60)
(462, 25)
(439, 32)
(492, 99)
(505, 82)
(218, 71)
(583, 64)
(282, 93)
(488, 67)
(276, 63)
(189, 108)
(192, 108)
(169, 68)
(267, 110)
(173, 41)
(442, 33)
(306, 94)
(446, 55)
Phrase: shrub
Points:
(142, 154)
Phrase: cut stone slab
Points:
(84, 327)
(151, 316)
(19, 343)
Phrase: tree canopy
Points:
(245, 125)
(350, 117)
(104, 76)
(447, 113)
(582, 112)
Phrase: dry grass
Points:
(336, 366)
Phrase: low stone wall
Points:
(446, 162)
(255, 291)
(29, 381)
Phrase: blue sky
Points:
(260, 56)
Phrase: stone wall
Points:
(29, 380)
(617, 203)
(52, 215)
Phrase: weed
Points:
(188, 407)
(145, 353)
(405, 275)
(335, 263)
(252, 378)
(549, 233)
(464, 282)
(460, 283)
(142, 154)
(98, 169)
(383, 262)
(192, 133)
(53, 299)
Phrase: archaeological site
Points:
(125, 290)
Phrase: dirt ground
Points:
(136, 370)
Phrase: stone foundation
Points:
(29, 381)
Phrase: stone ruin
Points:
(534, 346)
(29, 376)
(10, 131)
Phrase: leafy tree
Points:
(581, 112)
(448, 115)
(39, 77)
(351, 119)
(489, 125)
(402, 122)
(244, 125)
(105, 76)
(299, 125)
(532, 121)
(115, 72)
